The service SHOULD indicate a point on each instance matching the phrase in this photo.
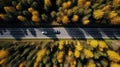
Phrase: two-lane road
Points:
(65, 33)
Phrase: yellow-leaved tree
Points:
(9, 9)
(66, 4)
(47, 2)
(116, 2)
(4, 16)
(65, 19)
(35, 18)
(87, 4)
(75, 18)
(21, 18)
(80, 3)
(115, 20)
(91, 63)
(112, 14)
(98, 14)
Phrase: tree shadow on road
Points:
(93, 32)
(17, 33)
(112, 35)
(32, 31)
(75, 33)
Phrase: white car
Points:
(50, 32)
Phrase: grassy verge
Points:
(5, 41)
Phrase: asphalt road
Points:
(65, 33)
